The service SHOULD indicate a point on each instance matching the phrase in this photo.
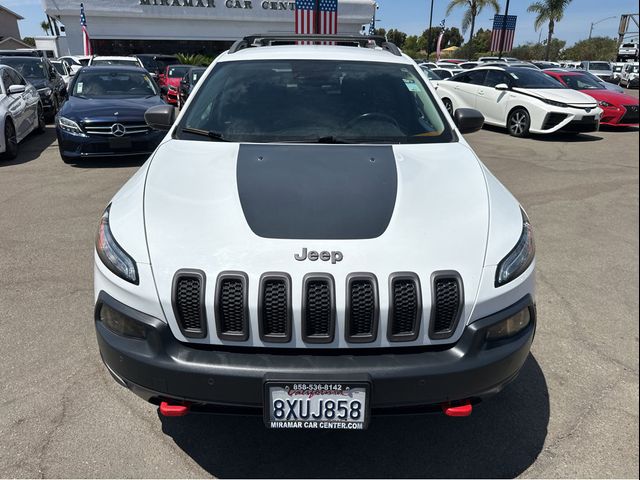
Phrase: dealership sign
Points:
(243, 4)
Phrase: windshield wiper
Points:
(215, 136)
(329, 139)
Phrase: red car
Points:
(618, 109)
(169, 82)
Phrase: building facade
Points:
(185, 26)
(10, 38)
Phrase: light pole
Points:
(595, 23)
(429, 32)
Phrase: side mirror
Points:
(16, 89)
(160, 117)
(468, 120)
(502, 86)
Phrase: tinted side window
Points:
(16, 78)
(495, 77)
(6, 80)
(463, 78)
(477, 77)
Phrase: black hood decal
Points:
(317, 191)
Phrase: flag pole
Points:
(429, 32)
(504, 30)
(316, 22)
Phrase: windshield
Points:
(581, 82)
(315, 101)
(617, 68)
(530, 78)
(84, 62)
(177, 72)
(59, 68)
(110, 61)
(26, 67)
(431, 75)
(599, 66)
(113, 84)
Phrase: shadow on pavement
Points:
(32, 147)
(502, 438)
(110, 162)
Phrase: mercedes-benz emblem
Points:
(118, 130)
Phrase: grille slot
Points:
(632, 114)
(553, 119)
(274, 307)
(188, 303)
(105, 128)
(361, 314)
(231, 306)
(448, 299)
(318, 308)
(405, 307)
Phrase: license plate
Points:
(316, 405)
(120, 143)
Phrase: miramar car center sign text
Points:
(243, 4)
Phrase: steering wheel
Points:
(373, 116)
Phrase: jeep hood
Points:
(221, 207)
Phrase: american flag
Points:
(317, 17)
(86, 40)
(509, 32)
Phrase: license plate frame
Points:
(120, 143)
(356, 387)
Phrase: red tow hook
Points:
(462, 410)
(177, 410)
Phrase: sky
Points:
(412, 17)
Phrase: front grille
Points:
(107, 128)
(188, 303)
(361, 315)
(447, 298)
(231, 307)
(405, 307)
(318, 308)
(274, 308)
(552, 120)
(632, 114)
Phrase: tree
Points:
(596, 48)
(380, 31)
(473, 9)
(481, 42)
(550, 11)
(397, 37)
(536, 51)
(44, 25)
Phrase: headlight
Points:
(602, 103)
(554, 103)
(69, 126)
(519, 259)
(112, 254)
(45, 91)
(511, 326)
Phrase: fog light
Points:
(121, 324)
(511, 326)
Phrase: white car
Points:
(524, 100)
(115, 61)
(76, 62)
(21, 111)
(65, 71)
(314, 240)
(629, 76)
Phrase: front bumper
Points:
(162, 368)
(78, 147)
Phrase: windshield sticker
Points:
(411, 85)
(79, 87)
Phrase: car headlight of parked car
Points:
(554, 103)
(45, 92)
(113, 255)
(519, 259)
(69, 126)
(602, 103)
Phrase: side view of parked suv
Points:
(314, 241)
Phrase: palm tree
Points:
(550, 11)
(473, 9)
(44, 25)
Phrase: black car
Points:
(156, 63)
(104, 115)
(41, 74)
(188, 83)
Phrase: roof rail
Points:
(365, 41)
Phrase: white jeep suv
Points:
(314, 240)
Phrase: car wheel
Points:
(10, 140)
(518, 123)
(448, 105)
(42, 123)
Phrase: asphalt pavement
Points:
(573, 412)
